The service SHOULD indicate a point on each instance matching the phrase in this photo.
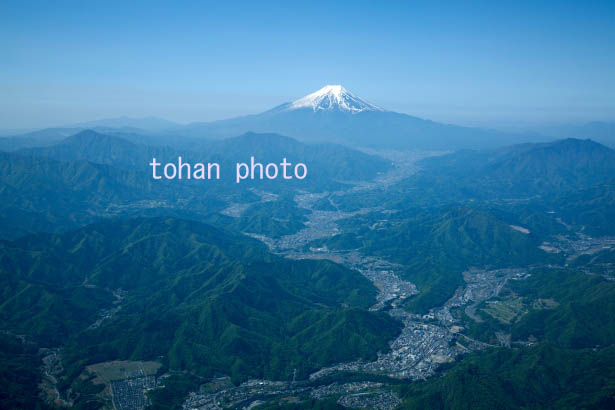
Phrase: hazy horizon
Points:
(482, 64)
(518, 125)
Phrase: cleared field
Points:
(505, 311)
(120, 370)
(540, 304)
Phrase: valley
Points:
(348, 291)
(426, 341)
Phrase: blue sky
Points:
(477, 63)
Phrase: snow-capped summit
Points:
(333, 97)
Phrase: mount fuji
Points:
(335, 114)
(330, 98)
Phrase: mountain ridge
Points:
(226, 303)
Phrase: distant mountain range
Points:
(50, 136)
(603, 132)
(151, 124)
(331, 114)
